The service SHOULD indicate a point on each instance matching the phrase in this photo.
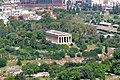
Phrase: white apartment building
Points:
(11, 8)
(34, 17)
(11, 1)
(98, 2)
(113, 2)
(73, 1)
(16, 12)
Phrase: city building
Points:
(42, 3)
(58, 37)
(112, 1)
(106, 3)
(29, 15)
(16, 12)
(98, 2)
(11, 7)
(88, 2)
(11, 1)
(74, 1)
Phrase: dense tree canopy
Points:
(116, 67)
(27, 40)
(3, 62)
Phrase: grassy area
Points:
(11, 63)
(111, 78)
(91, 47)
(48, 61)
(42, 78)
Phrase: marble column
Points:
(59, 39)
(62, 39)
(67, 39)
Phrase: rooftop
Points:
(58, 33)
(111, 29)
(41, 74)
(105, 23)
(116, 25)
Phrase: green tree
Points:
(102, 39)
(118, 29)
(71, 54)
(79, 55)
(116, 67)
(20, 76)
(44, 67)
(10, 78)
(58, 55)
(98, 50)
(69, 74)
(30, 68)
(19, 62)
(74, 50)
(86, 72)
(116, 17)
(106, 49)
(116, 54)
(99, 69)
(83, 47)
(71, 64)
(3, 62)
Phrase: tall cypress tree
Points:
(106, 48)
